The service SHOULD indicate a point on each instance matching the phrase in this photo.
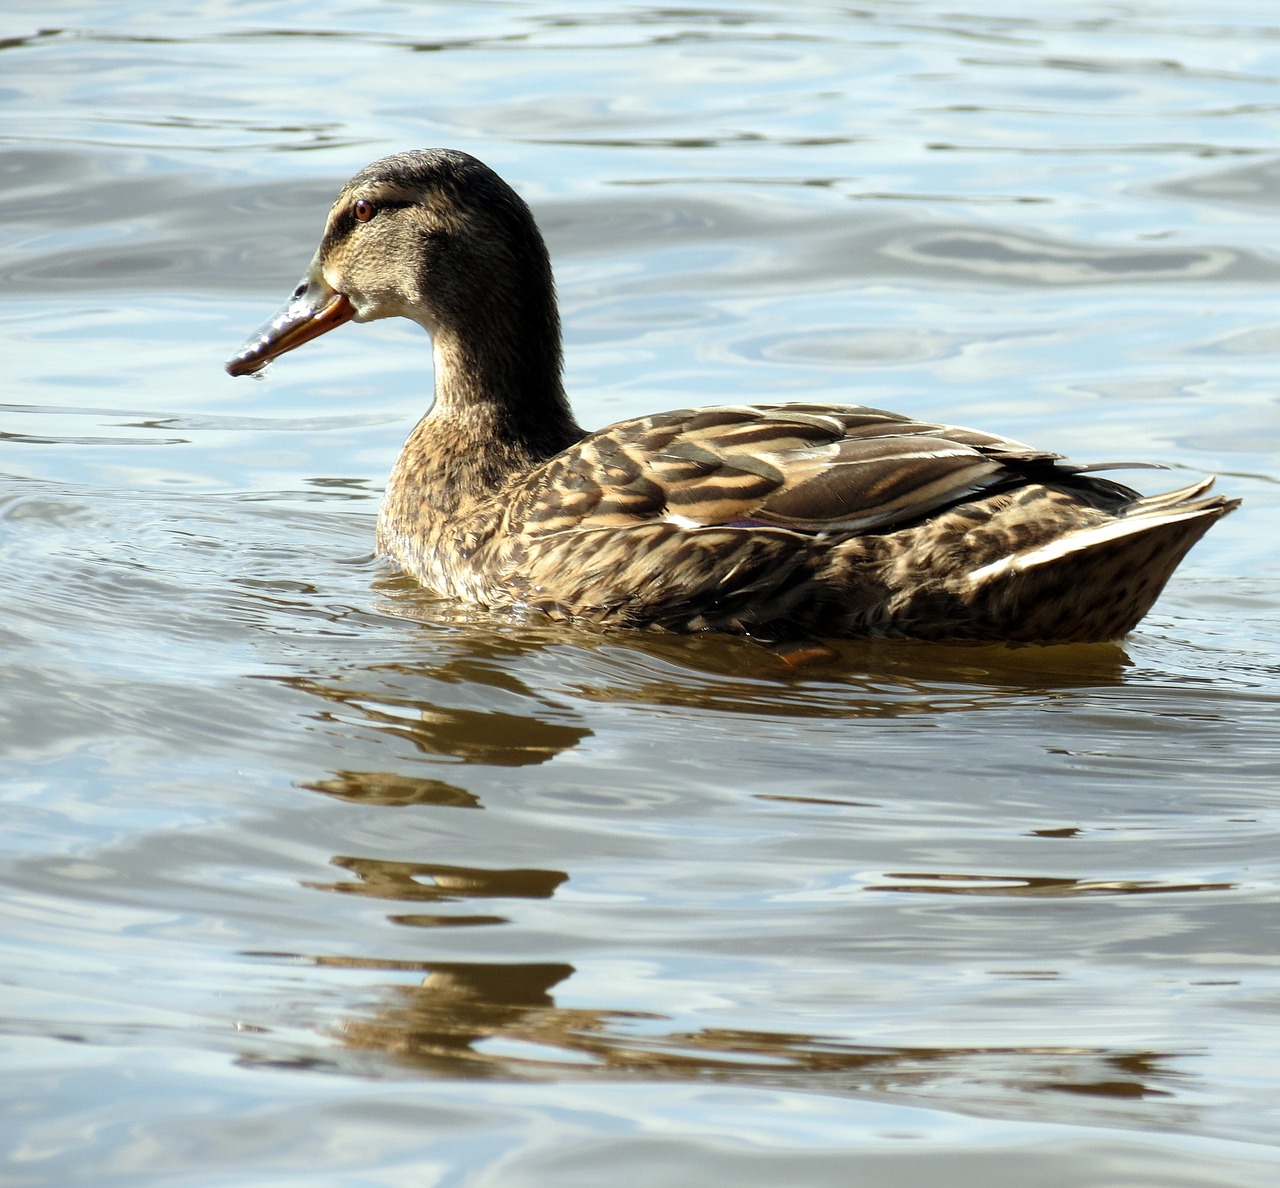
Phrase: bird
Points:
(778, 521)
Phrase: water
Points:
(308, 880)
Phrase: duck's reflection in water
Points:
(392, 788)
(519, 699)
(389, 702)
(431, 882)
(508, 698)
(500, 1020)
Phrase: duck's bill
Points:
(313, 310)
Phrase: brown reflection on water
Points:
(432, 882)
(879, 680)
(542, 670)
(437, 1025)
(1030, 886)
(491, 737)
(468, 1019)
(393, 788)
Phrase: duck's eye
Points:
(364, 209)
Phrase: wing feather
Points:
(808, 468)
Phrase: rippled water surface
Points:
(305, 879)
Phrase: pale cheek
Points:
(367, 295)
(371, 305)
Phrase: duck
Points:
(786, 521)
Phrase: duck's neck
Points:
(500, 404)
(496, 416)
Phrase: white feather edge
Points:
(1085, 539)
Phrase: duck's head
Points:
(432, 235)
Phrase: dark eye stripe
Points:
(338, 230)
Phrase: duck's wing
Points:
(807, 468)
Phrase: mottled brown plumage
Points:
(775, 520)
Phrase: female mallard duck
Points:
(778, 520)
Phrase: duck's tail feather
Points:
(1096, 583)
